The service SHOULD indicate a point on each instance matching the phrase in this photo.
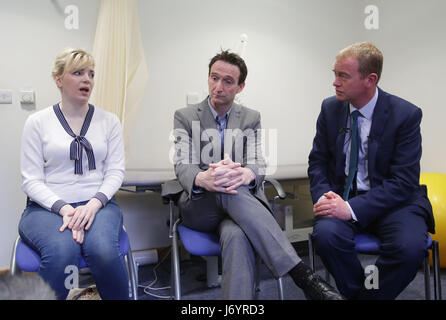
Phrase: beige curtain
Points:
(121, 70)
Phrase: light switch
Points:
(5, 96)
(27, 97)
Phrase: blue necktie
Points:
(221, 126)
(354, 150)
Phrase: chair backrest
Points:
(171, 191)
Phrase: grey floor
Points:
(194, 285)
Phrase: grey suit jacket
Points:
(197, 143)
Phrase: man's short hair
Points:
(233, 59)
(370, 58)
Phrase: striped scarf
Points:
(80, 142)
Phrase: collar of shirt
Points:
(215, 114)
(364, 125)
(367, 110)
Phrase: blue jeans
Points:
(39, 228)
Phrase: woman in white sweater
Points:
(72, 164)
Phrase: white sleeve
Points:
(351, 211)
(114, 166)
(32, 166)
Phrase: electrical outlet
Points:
(5, 96)
(27, 96)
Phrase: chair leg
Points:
(257, 281)
(311, 255)
(13, 267)
(132, 274)
(280, 286)
(311, 251)
(427, 278)
(175, 264)
(436, 264)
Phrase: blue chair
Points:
(198, 243)
(366, 243)
(26, 259)
(201, 244)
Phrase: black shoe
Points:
(317, 289)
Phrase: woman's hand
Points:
(67, 212)
(84, 215)
(78, 235)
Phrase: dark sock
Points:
(300, 274)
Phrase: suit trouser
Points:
(245, 226)
(403, 235)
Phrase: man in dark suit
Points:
(373, 189)
(223, 191)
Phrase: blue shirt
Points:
(221, 122)
(364, 125)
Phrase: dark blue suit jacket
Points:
(394, 152)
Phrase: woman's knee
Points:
(61, 253)
(102, 254)
(106, 226)
(111, 214)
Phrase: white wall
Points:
(289, 54)
(412, 38)
(290, 51)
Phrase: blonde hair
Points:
(370, 58)
(71, 60)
